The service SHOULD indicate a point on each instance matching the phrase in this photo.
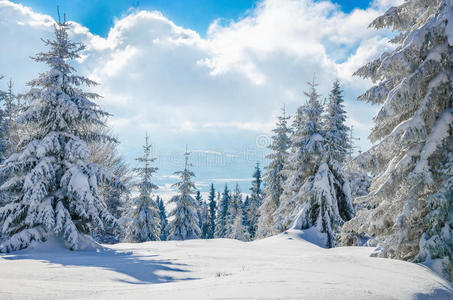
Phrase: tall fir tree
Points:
(163, 219)
(185, 215)
(338, 145)
(142, 220)
(411, 210)
(223, 214)
(255, 200)
(55, 188)
(316, 194)
(274, 177)
(337, 133)
(212, 213)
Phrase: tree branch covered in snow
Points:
(410, 215)
(54, 186)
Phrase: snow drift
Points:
(283, 266)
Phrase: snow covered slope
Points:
(285, 267)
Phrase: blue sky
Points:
(99, 15)
(218, 90)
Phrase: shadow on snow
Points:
(144, 269)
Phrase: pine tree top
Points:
(185, 186)
(146, 171)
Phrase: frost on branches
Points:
(185, 215)
(274, 177)
(316, 193)
(411, 195)
(142, 215)
(54, 187)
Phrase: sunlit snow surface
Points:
(284, 267)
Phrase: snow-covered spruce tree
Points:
(163, 219)
(337, 134)
(236, 229)
(55, 187)
(223, 214)
(274, 177)
(255, 200)
(212, 213)
(185, 218)
(338, 146)
(141, 217)
(313, 193)
(411, 216)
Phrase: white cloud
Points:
(159, 77)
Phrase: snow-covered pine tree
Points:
(221, 229)
(255, 200)
(236, 229)
(274, 177)
(337, 134)
(338, 145)
(55, 188)
(163, 219)
(141, 217)
(212, 213)
(307, 147)
(314, 193)
(185, 222)
(411, 215)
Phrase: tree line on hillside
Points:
(62, 175)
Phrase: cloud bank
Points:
(216, 93)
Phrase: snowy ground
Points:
(283, 267)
